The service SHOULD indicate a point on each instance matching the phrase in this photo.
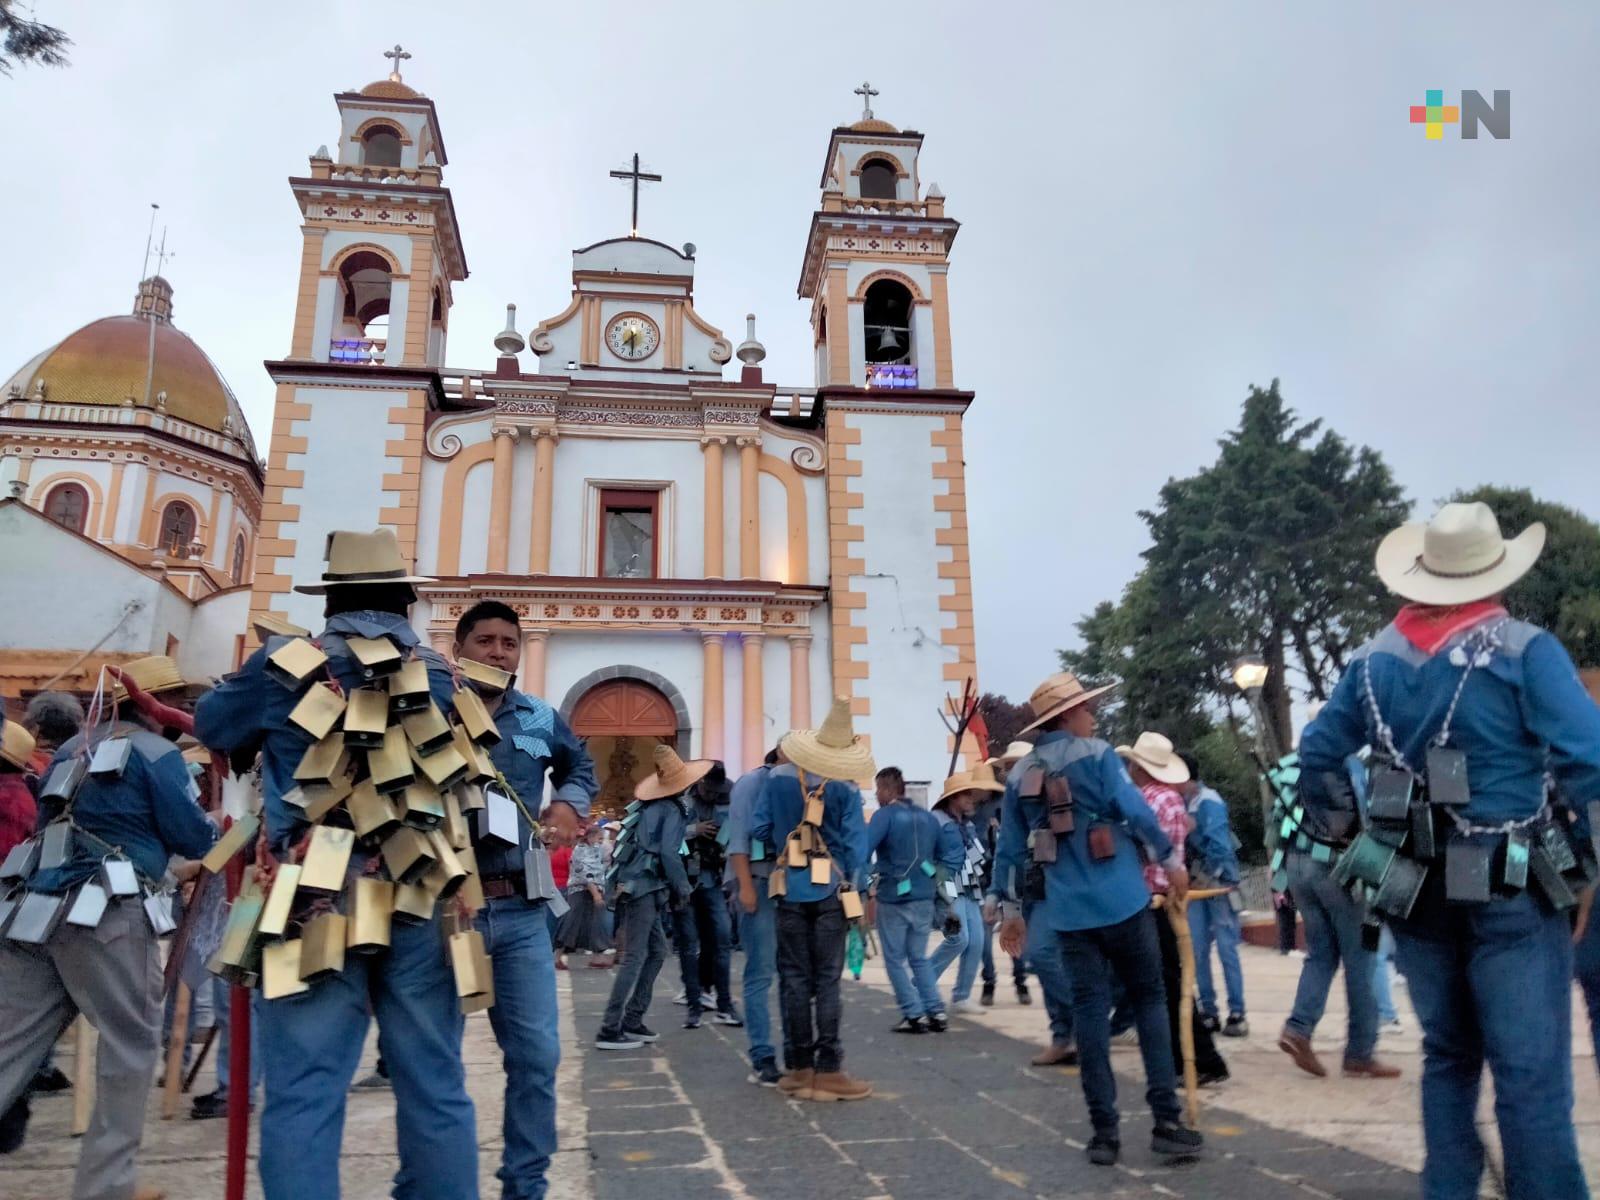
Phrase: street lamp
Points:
(1250, 675)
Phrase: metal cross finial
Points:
(398, 55)
(866, 91)
(637, 177)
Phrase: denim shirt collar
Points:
(368, 623)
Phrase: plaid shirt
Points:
(1172, 814)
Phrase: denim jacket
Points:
(1523, 713)
(250, 709)
(149, 811)
(1080, 893)
(534, 739)
(902, 837)
(654, 862)
(1210, 845)
(844, 832)
(741, 811)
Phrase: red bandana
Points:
(1430, 626)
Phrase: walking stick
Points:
(1178, 915)
(82, 1076)
(175, 1046)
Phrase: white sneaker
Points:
(967, 1008)
(1128, 1037)
(682, 997)
(1391, 1028)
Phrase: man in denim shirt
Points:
(311, 1042)
(1214, 863)
(516, 933)
(1491, 979)
(750, 868)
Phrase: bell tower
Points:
(876, 272)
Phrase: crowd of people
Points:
(1436, 814)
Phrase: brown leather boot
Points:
(836, 1085)
(1298, 1047)
(148, 1193)
(1370, 1069)
(1060, 1054)
(795, 1082)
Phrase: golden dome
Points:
(873, 125)
(391, 89)
(105, 363)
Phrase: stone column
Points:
(505, 445)
(534, 642)
(714, 490)
(753, 723)
(711, 707)
(443, 641)
(750, 507)
(800, 681)
(544, 457)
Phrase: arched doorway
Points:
(621, 719)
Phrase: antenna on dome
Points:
(148, 237)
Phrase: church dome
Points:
(391, 89)
(873, 125)
(106, 361)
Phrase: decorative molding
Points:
(732, 416)
(631, 417)
(542, 407)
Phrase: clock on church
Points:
(633, 336)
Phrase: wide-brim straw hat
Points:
(1057, 694)
(1458, 557)
(983, 779)
(355, 559)
(672, 776)
(1154, 752)
(833, 751)
(968, 781)
(16, 745)
(157, 675)
(1015, 752)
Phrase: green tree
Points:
(1562, 592)
(1004, 720)
(24, 40)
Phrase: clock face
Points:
(633, 337)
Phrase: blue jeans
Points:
(1131, 952)
(1213, 922)
(222, 1008)
(1586, 966)
(1043, 951)
(1019, 966)
(705, 918)
(1495, 984)
(759, 931)
(311, 1043)
(966, 945)
(1383, 977)
(1333, 935)
(903, 931)
(525, 1024)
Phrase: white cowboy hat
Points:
(833, 751)
(1457, 557)
(1057, 694)
(673, 776)
(1015, 753)
(1155, 754)
(362, 558)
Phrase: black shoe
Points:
(692, 1019)
(936, 1023)
(987, 999)
(1237, 1026)
(766, 1073)
(641, 1033)
(1103, 1150)
(14, 1125)
(615, 1039)
(50, 1079)
(1210, 1024)
(1212, 1078)
(909, 1025)
(210, 1107)
(1023, 995)
(1175, 1141)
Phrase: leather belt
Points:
(498, 887)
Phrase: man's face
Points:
(962, 804)
(1080, 721)
(495, 642)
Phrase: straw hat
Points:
(970, 781)
(156, 674)
(16, 745)
(356, 558)
(1155, 754)
(1457, 557)
(983, 778)
(672, 776)
(1015, 753)
(1057, 694)
(833, 751)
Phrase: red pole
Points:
(238, 1051)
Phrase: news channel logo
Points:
(1474, 112)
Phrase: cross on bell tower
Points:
(637, 177)
(399, 56)
(866, 91)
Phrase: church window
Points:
(380, 147)
(628, 533)
(68, 506)
(238, 559)
(363, 333)
(878, 180)
(178, 525)
(887, 317)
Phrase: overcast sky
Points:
(1160, 205)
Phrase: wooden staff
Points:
(175, 1044)
(1178, 915)
(82, 1076)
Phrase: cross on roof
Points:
(637, 177)
(866, 91)
(399, 56)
